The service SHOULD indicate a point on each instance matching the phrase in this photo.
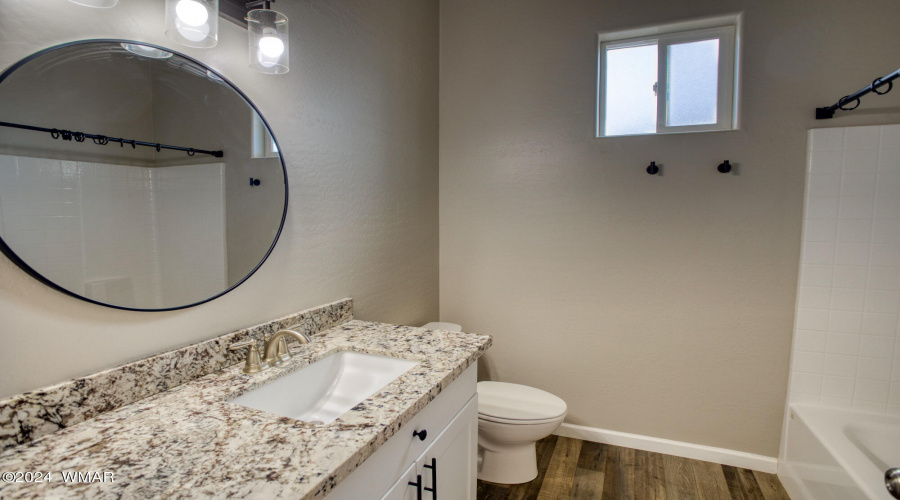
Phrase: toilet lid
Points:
(518, 402)
(437, 325)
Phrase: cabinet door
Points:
(448, 466)
(402, 490)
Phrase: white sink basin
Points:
(326, 389)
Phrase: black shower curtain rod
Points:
(828, 111)
(102, 140)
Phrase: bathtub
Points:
(833, 454)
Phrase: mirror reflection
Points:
(134, 177)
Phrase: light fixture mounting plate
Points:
(236, 10)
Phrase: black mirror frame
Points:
(8, 252)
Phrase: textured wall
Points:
(661, 306)
(357, 120)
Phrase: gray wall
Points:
(357, 121)
(661, 306)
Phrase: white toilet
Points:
(511, 419)
(437, 325)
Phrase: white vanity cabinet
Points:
(403, 489)
(441, 463)
(447, 469)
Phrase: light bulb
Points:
(194, 23)
(191, 13)
(271, 46)
(264, 60)
(192, 33)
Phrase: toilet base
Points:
(513, 465)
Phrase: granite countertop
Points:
(190, 442)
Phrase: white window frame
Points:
(263, 144)
(725, 29)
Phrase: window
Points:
(263, 144)
(665, 79)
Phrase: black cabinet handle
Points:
(433, 488)
(421, 434)
(418, 485)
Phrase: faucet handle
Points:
(283, 353)
(253, 364)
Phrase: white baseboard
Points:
(669, 447)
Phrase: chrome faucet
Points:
(276, 350)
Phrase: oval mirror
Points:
(135, 177)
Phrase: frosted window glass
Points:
(693, 83)
(630, 99)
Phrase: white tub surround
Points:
(846, 351)
(842, 422)
(833, 454)
(191, 442)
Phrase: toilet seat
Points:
(511, 419)
(488, 418)
(516, 404)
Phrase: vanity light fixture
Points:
(268, 38)
(100, 4)
(194, 23)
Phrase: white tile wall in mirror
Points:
(64, 222)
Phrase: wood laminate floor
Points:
(575, 469)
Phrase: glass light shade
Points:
(101, 4)
(268, 36)
(145, 51)
(194, 23)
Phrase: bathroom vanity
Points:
(416, 434)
